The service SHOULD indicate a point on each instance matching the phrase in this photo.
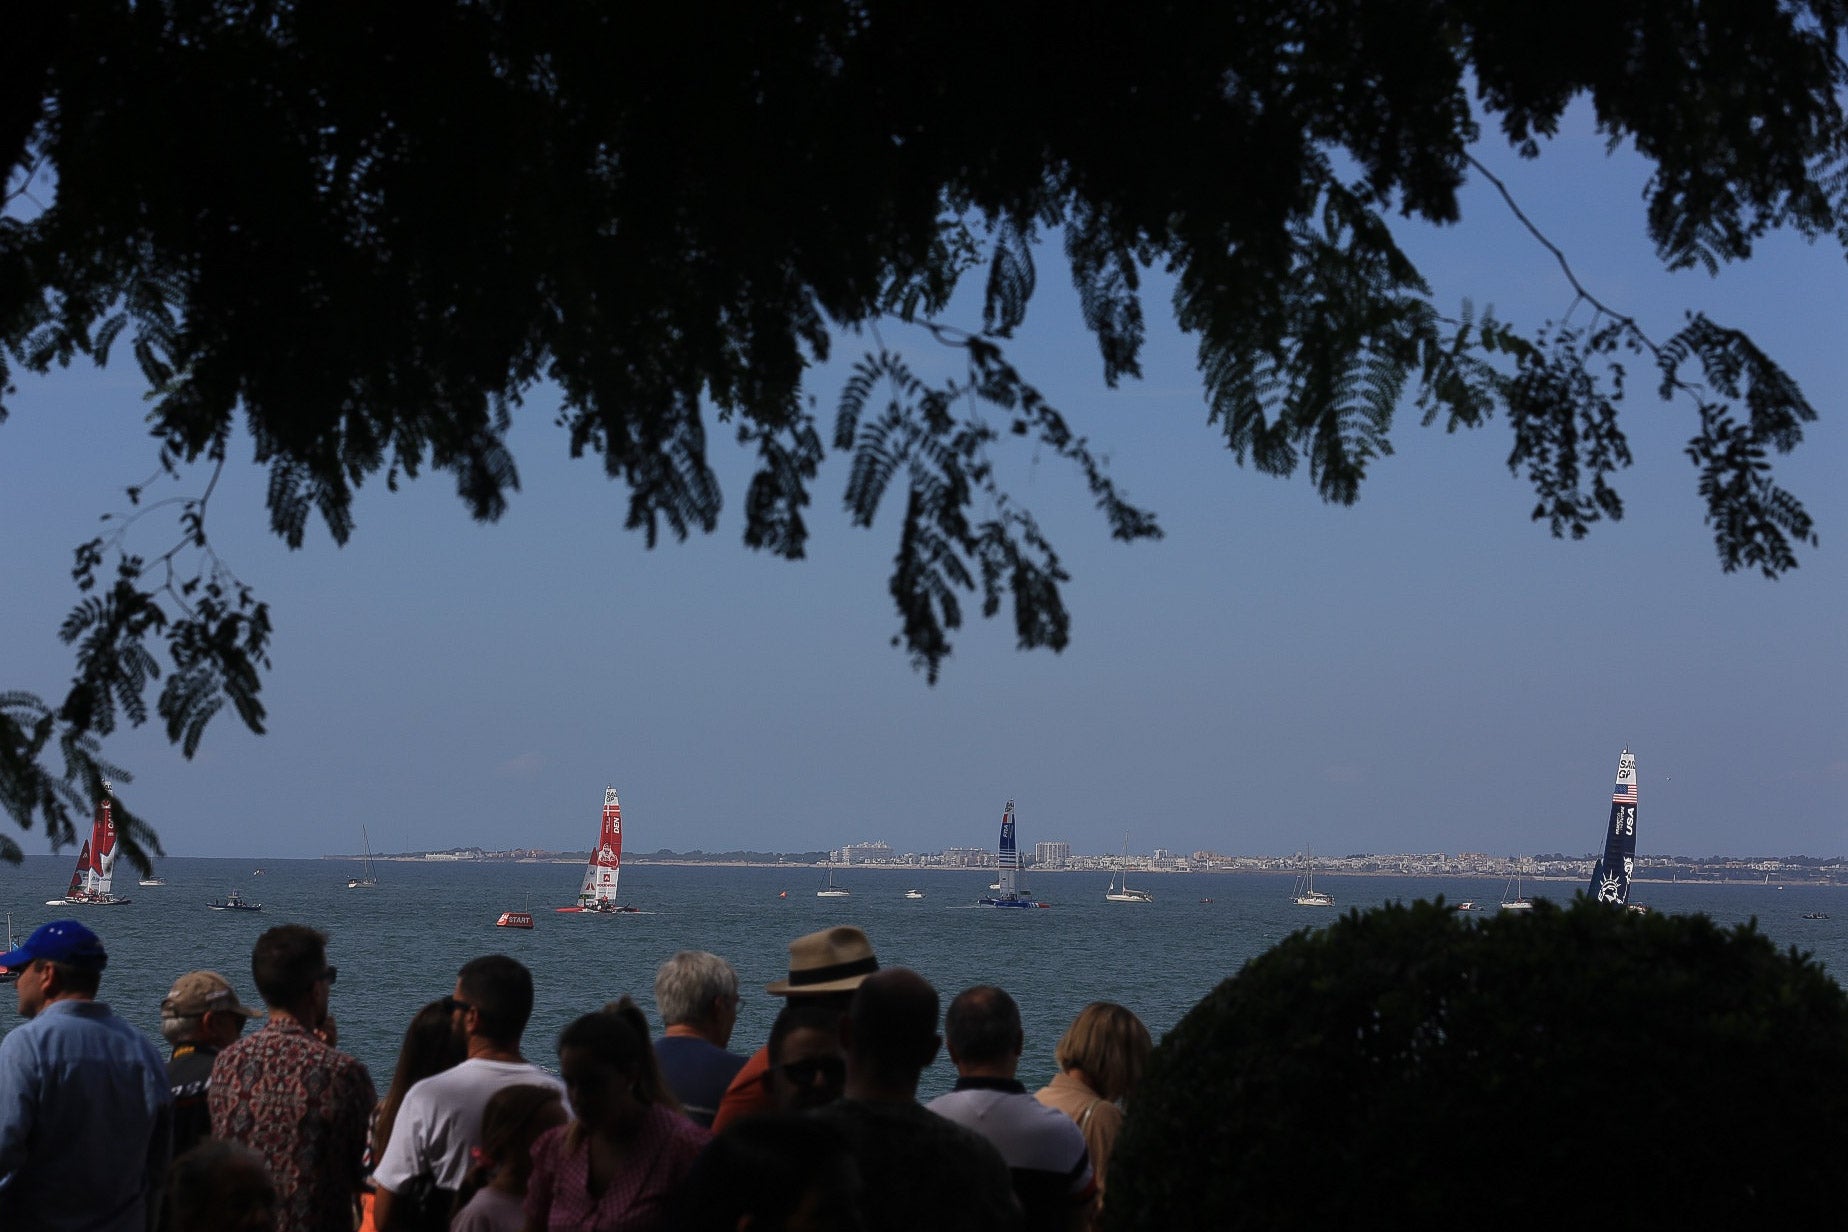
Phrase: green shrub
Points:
(1413, 1065)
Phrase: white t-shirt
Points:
(439, 1122)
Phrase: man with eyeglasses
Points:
(439, 1122)
(201, 1017)
(77, 1086)
(290, 1095)
(808, 1065)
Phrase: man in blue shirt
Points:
(697, 994)
(85, 1116)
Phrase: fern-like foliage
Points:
(182, 615)
(1756, 523)
(1108, 281)
(779, 490)
(1566, 435)
(1312, 366)
(62, 802)
(961, 531)
(1011, 279)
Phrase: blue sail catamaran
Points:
(1008, 893)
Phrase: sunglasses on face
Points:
(804, 1073)
(456, 1004)
(331, 974)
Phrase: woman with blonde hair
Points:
(1101, 1057)
(614, 1168)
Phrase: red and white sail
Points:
(80, 876)
(606, 859)
(95, 873)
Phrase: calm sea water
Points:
(399, 945)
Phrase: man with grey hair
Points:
(697, 995)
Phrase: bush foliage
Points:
(1415, 1064)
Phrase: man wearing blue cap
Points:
(85, 1116)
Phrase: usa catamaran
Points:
(598, 892)
(1119, 891)
(1610, 878)
(95, 874)
(366, 881)
(1008, 893)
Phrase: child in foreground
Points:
(514, 1117)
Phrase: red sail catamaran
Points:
(95, 873)
(598, 893)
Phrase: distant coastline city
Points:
(1059, 857)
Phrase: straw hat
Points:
(832, 960)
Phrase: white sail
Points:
(1119, 891)
(366, 880)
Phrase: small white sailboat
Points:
(597, 893)
(1120, 891)
(91, 883)
(1512, 897)
(1305, 894)
(831, 890)
(366, 881)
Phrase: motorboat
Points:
(234, 902)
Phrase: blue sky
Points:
(1425, 671)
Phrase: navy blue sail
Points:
(1610, 879)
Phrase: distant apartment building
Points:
(967, 857)
(1052, 855)
(863, 853)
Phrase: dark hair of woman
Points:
(430, 1046)
(617, 1035)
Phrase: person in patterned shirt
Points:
(292, 1097)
